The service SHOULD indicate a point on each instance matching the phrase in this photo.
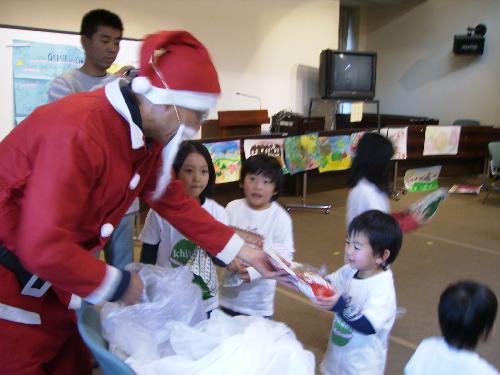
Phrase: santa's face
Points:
(160, 122)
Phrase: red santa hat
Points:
(176, 69)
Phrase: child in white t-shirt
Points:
(365, 298)
(259, 213)
(164, 245)
(467, 312)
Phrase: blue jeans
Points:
(119, 251)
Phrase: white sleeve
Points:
(380, 308)
(219, 213)
(231, 212)
(283, 235)
(151, 232)
(336, 279)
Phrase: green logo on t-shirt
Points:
(181, 253)
(341, 332)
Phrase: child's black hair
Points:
(372, 161)
(189, 147)
(382, 230)
(268, 166)
(467, 311)
(99, 17)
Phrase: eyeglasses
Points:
(162, 79)
(203, 115)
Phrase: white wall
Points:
(265, 48)
(418, 74)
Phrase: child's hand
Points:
(287, 281)
(327, 303)
(235, 265)
(244, 276)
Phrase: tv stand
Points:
(336, 108)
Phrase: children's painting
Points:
(441, 140)
(302, 152)
(355, 138)
(422, 179)
(226, 157)
(272, 147)
(398, 137)
(335, 153)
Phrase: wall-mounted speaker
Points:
(471, 43)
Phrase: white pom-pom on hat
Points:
(141, 85)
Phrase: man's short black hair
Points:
(99, 17)
(382, 230)
(467, 311)
(268, 166)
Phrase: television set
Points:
(347, 74)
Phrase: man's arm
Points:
(59, 88)
(196, 224)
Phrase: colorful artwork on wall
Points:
(398, 137)
(355, 138)
(271, 146)
(441, 140)
(335, 153)
(302, 152)
(226, 157)
(422, 179)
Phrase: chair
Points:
(89, 325)
(463, 121)
(494, 149)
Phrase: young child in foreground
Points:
(467, 312)
(365, 298)
(259, 213)
(164, 245)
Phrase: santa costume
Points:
(68, 173)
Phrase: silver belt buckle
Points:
(29, 290)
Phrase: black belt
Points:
(31, 284)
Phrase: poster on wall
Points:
(398, 138)
(335, 153)
(271, 146)
(302, 152)
(353, 144)
(441, 140)
(226, 157)
(34, 66)
(422, 179)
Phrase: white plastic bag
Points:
(241, 345)
(140, 330)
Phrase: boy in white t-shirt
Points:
(259, 213)
(467, 312)
(365, 298)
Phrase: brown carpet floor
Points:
(462, 241)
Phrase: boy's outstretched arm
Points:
(350, 314)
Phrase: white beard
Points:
(168, 157)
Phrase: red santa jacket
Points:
(68, 173)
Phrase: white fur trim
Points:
(115, 97)
(141, 85)
(197, 101)
(253, 274)
(15, 314)
(231, 249)
(75, 302)
(108, 286)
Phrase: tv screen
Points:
(347, 75)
